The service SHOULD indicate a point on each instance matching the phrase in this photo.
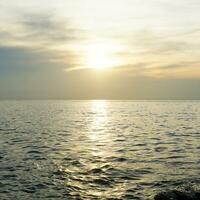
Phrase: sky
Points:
(100, 49)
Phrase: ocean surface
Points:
(97, 149)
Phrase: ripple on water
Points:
(97, 150)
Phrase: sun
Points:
(98, 60)
(100, 56)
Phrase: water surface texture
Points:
(97, 149)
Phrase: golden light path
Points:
(98, 134)
(99, 108)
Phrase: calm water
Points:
(97, 149)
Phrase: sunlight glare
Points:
(99, 108)
(101, 56)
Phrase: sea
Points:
(97, 149)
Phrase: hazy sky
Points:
(100, 49)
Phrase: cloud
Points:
(28, 72)
(176, 71)
(39, 37)
(40, 29)
(179, 70)
(149, 42)
(47, 29)
(25, 60)
(159, 49)
(156, 55)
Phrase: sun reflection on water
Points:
(99, 117)
(97, 133)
